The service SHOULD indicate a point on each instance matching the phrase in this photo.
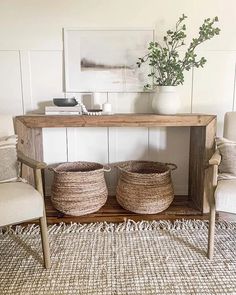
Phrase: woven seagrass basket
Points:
(79, 188)
(145, 187)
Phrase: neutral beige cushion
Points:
(230, 126)
(19, 202)
(6, 125)
(9, 168)
(227, 167)
(225, 196)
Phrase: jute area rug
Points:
(130, 258)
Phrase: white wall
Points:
(31, 74)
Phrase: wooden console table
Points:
(202, 133)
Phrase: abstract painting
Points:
(105, 60)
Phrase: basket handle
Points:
(118, 165)
(106, 168)
(172, 166)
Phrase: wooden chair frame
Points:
(214, 162)
(37, 168)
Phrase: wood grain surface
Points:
(117, 120)
(113, 212)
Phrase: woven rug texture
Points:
(140, 258)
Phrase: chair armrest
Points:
(30, 162)
(215, 159)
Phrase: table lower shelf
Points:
(113, 212)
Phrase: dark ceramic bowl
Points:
(65, 102)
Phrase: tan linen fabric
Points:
(225, 196)
(9, 168)
(6, 125)
(19, 201)
(227, 149)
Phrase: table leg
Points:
(202, 147)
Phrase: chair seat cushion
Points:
(225, 196)
(19, 202)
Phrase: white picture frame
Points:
(104, 59)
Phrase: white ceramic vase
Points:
(166, 100)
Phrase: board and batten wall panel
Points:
(10, 83)
(55, 152)
(31, 74)
(214, 85)
(46, 75)
(127, 143)
(88, 144)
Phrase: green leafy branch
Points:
(167, 68)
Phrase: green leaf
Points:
(166, 66)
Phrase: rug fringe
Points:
(126, 226)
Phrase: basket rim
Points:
(126, 163)
(99, 165)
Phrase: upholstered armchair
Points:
(225, 189)
(19, 201)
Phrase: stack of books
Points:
(54, 110)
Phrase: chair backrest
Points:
(6, 125)
(230, 126)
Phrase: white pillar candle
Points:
(106, 107)
(96, 103)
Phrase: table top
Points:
(115, 120)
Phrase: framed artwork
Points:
(104, 60)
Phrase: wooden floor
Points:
(113, 212)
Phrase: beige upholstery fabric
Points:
(8, 141)
(19, 202)
(9, 168)
(230, 126)
(225, 196)
(227, 149)
(6, 125)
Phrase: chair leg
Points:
(45, 242)
(211, 233)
